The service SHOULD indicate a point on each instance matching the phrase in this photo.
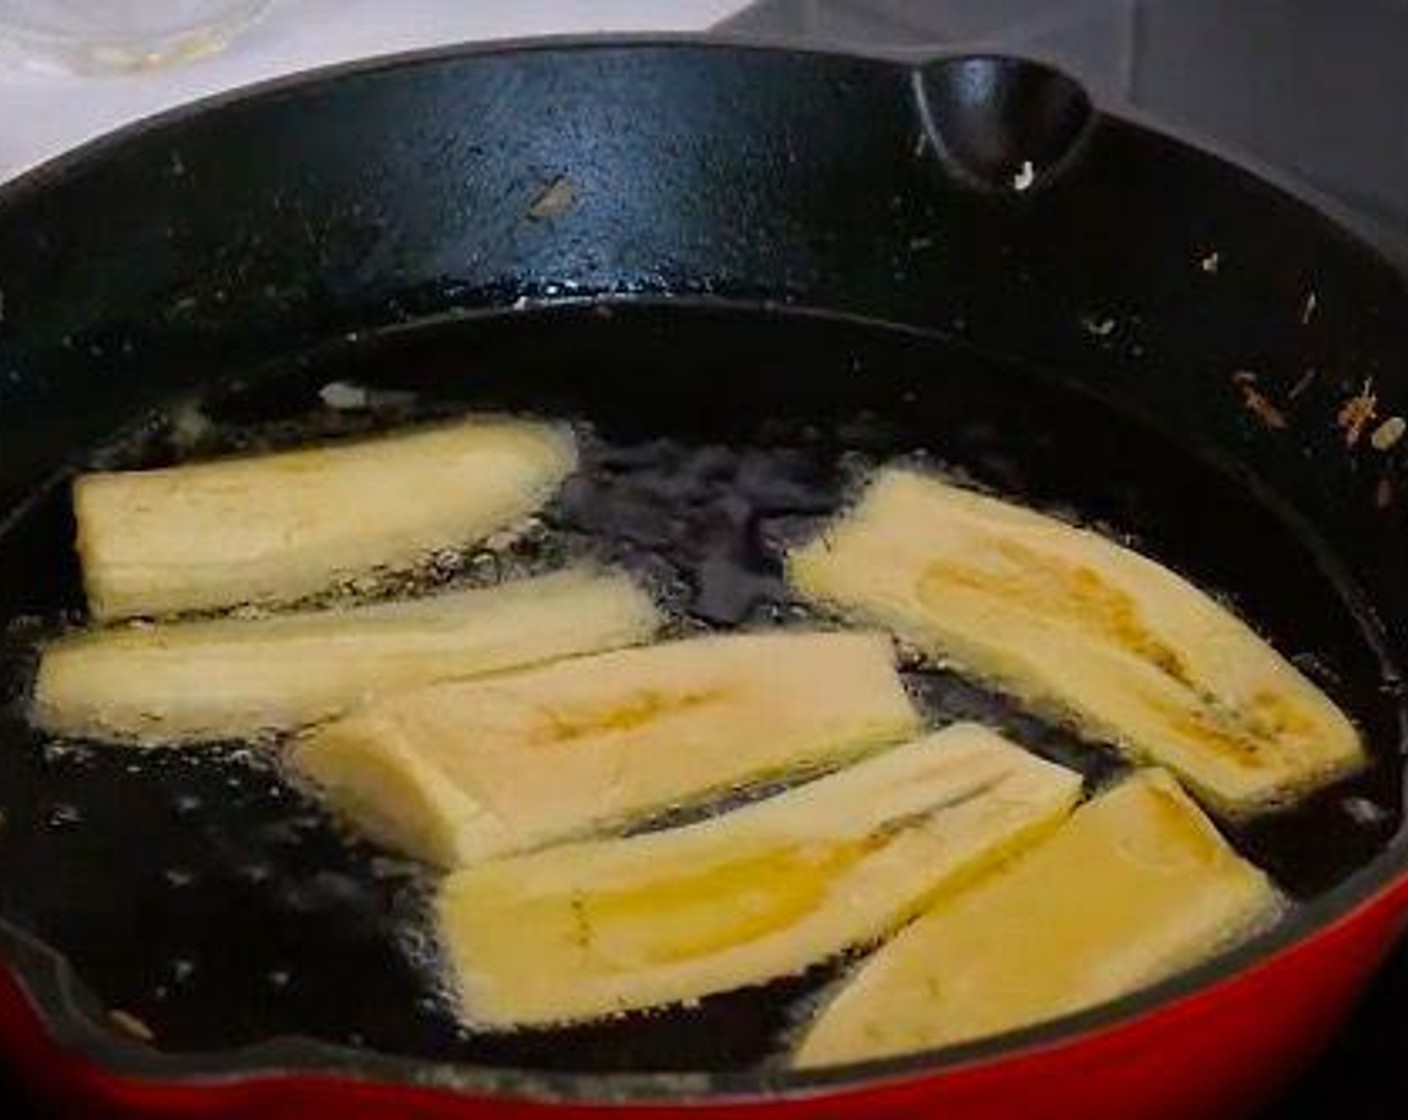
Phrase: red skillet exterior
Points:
(1218, 1053)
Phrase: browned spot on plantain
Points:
(772, 890)
(1266, 720)
(634, 712)
(1077, 596)
(1056, 588)
(1278, 716)
(1171, 809)
(1214, 728)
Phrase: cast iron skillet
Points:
(743, 249)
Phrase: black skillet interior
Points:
(771, 272)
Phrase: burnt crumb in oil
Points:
(215, 905)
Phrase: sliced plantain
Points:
(1129, 651)
(1135, 886)
(279, 527)
(588, 930)
(465, 770)
(233, 678)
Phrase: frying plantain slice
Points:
(1134, 887)
(593, 929)
(276, 528)
(233, 678)
(465, 770)
(1063, 618)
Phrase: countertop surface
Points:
(43, 114)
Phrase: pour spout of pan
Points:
(1001, 123)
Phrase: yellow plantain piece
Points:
(1135, 886)
(279, 527)
(239, 677)
(593, 929)
(1066, 619)
(466, 770)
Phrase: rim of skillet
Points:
(74, 1018)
